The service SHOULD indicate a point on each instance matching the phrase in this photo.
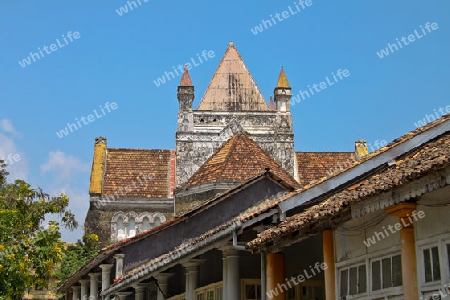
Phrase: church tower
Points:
(232, 104)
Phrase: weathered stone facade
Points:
(99, 219)
(201, 133)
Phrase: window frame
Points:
(380, 259)
(247, 281)
(207, 288)
(347, 268)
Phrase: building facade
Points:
(244, 225)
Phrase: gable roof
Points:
(315, 165)
(190, 246)
(232, 87)
(432, 156)
(137, 173)
(109, 250)
(237, 160)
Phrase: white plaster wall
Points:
(349, 238)
(437, 219)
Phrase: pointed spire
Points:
(282, 80)
(272, 104)
(186, 79)
(232, 87)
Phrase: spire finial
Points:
(282, 80)
(186, 79)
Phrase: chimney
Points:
(98, 166)
(361, 149)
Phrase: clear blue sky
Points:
(117, 58)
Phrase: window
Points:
(120, 229)
(386, 272)
(129, 224)
(145, 224)
(131, 227)
(353, 280)
(251, 289)
(219, 293)
(209, 292)
(432, 265)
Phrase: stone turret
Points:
(185, 93)
(185, 97)
(282, 93)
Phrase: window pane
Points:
(219, 293)
(353, 281)
(387, 272)
(376, 276)
(250, 292)
(200, 296)
(362, 282)
(344, 283)
(145, 224)
(436, 264)
(397, 270)
(131, 228)
(210, 295)
(427, 262)
(258, 292)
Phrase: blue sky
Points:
(117, 58)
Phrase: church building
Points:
(133, 190)
(235, 213)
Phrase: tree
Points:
(76, 255)
(29, 251)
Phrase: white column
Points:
(191, 277)
(224, 276)
(84, 289)
(106, 277)
(94, 286)
(119, 265)
(163, 285)
(233, 279)
(139, 291)
(76, 292)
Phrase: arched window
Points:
(120, 229)
(131, 227)
(157, 221)
(145, 224)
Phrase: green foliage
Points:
(76, 255)
(28, 251)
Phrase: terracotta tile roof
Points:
(232, 87)
(315, 165)
(138, 173)
(237, 160)
(246, 215)
(431, 157)
(206, 238)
